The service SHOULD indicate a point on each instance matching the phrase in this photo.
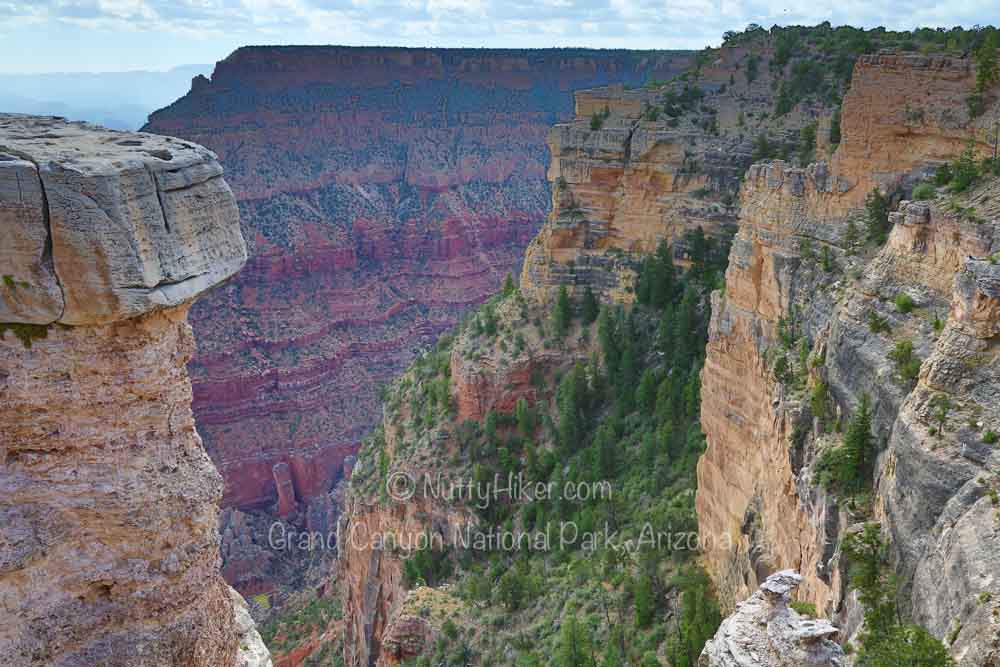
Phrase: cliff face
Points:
(618, 190)
(383, 192)
(664, 161)
(108, 542)
(786, 308)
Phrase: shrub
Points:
(804, 608)
(924, 191)
(907, 363)
(965, 171)
(877, 323)
(990, 437)
(904, 303)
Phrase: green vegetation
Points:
(877, 209)
(804, 608)
(907, 363)
(885, 640)
(877, 323)
(924, 191)
(986, 73)
(849, 467)
(807, 144)
(835, 134)
(562, 316)
(26, 333)
(289, 629)
(904, 303)
(990, 437)
(628, 418)
(598, 117)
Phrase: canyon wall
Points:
(383, 192)
(618, 190)
(108, 512)
(793, 349)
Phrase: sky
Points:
(118, 35)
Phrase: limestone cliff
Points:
(108, 543)
(806, 326)
(644, 165)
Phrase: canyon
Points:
(383, 193)
(109, 550)
(793, 352)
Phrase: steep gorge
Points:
(383, 193)
(801, 287)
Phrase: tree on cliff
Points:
(877, 207)
(563, 313)
(590, 308)
(508, 285)
(986, 63)
(574, 648)
(886, 641)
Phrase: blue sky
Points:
(115, 35)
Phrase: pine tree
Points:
(573, 649)
(986, 63)
(525, 418)
(644, 604)
(859, 451)
(508, 285)
(645, 395)
(877, 206)
(563, 313)
(591, 308)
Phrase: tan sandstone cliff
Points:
(108, 503)
(758, 485)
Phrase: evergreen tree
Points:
(986, 63)
(525, 418)
(590, 308)
(885, 640)
(563, 313)
(574, 648)
(644, 604)
(859, 449)
(877, 207)
(508, 285)
(572, 398)
(645, 395)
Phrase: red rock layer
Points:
(385, 192)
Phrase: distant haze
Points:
(119, 100)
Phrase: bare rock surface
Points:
(109, 552)
(765, 632)
(108, 225)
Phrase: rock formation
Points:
(765, 632)
(108, 543)
(650, 171)
(383, 192)
(805, 328)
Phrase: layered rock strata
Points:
(384, 192)
(633, 170)
(108, 543)
(800, 289)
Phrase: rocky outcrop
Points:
(793, 349)
(384, 192)
(765, 632)
(108, 542)
(634, 169)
